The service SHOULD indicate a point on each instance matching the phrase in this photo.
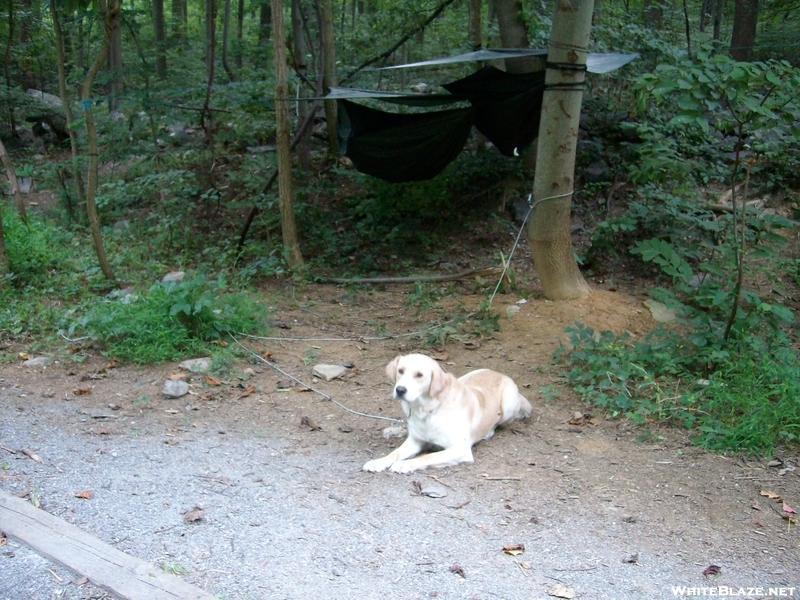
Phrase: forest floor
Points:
(288, 513)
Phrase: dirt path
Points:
(287, 512)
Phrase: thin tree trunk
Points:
(265, 22)
(160, 38)
(329, 72)
(745, 22)
(513, 34)
(549, 228)
(111, 15)
(239, 34)
(475, 29)
(4, 266)
(7, 62)
(286, 191)
(179, 21)
(66, 102)
(12, 179)
(226, 22)
(718, 6)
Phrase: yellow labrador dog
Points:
(446, 413)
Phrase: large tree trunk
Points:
(179, 21)
(299, 51)
(745, 21)
(264, 22)
(513, 34)
(226, 25)
(114, 56)
(549, 228)
(111, 16)
(329, 72)
(160, 38)
(7, 63)
(475, 29)
(286, 191)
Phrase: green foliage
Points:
(171, 320)
(31, 248)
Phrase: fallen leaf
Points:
(3, 539)
(177, 376)
(456, 568)
(220, 343)
(112, 365)
(789, 509)
(30, 454)
(24, 355)
(472, 345)
(308, 423)
(301, 388)
(81, 581)
(211, 380)
(756, 506)
(247, 391)
(86, 494)
(578, 418)
(712, 570)
(771, 495)
(514, 549)
(194, 515)
(82, 391)
(777, 462)
(561, 591)
(417, 487)
(632, 559)
(792, 520)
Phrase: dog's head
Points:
(417, 377)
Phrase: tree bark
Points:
(286, 191)
(12, 180)
(66, 102)
(745, 22)
(7, 62)
(239, 34)
(179, 21)
(226, 22)
(329, 73)
(299, 51)
(4, 266)
(114, 55)
(160, 38)
(475, 29)
(265, 22)
(513, 34)
(111, 11)
(549, 227)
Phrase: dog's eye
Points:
(401, 371)
(417, 374)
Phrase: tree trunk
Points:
(4, 266)
(286, 192)
(211, 32)
(265, 22)
(226, 22)
(239, 34)
(179, 21)
(329, 72)
(7, 63)
(114, 56)
(653, 13)
(66, 102)
(549, 227)
(12, 180)
(299, 51)
(475, 29)
(745, 21)
(111, 16)
(160, 39)
(513, 34)
(718, 6)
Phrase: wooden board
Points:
(104, 565)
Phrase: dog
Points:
(446, 413)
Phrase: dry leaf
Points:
(193, 515)
(177, 376)
(632, 559)
(81, 581)
(86, 494)
(514, 549)
(472, 345)
(3, 539)
(756, 506)
(307, 423)
(417, 487)
(578, 418)
(712, 570)
(82, 391)
(771, 495)
(247, 391)
(24, 355)
(561, 591)
(456, 568)
(30, 454)
(789, 509)
(220, 343)
(211, 380)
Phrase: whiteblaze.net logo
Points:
(734, 592)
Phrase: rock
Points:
(25, 184)
(197, 365)
(174, 276)
(39, 361)
(44, 97)
(595, 171)
(328, 372)
(122, 225)
(175, 388)
(660, 313)
(511, 311)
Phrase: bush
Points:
(171, 320)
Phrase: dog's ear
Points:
(391, 369)
(439, 381)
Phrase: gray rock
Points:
(174, 276)
(39, 361)
(197, 365)
(661, 313)
(511, 311)
(175, 388)
(328, 372)
(595, 171)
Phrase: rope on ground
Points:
(295, 379)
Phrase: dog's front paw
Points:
(404, 466)
(377, 465)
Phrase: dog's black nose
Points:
(400, 391)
